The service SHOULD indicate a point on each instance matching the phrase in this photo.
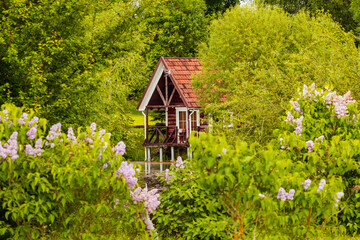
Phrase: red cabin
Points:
(169, 90)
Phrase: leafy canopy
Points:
(257, 56)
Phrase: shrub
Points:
(61, 186)
(187, 210)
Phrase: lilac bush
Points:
(55, 185)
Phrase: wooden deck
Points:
(165, 136)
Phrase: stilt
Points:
(188, 153)
(172, 153)
(161, 159)
(145, 163)
(149, 160)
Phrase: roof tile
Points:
(182, 70)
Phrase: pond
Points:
(148, 168)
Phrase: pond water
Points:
(153, 167)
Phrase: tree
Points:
(339, 10)
(172, 28)
(257, 56)
(73, 61)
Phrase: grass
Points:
(137, 116)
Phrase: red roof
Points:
(181, 70)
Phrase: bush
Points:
(187, 210)
(57, 185)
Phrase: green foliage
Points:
(173, 28)
(257, 56)
(339, 9)
(336, 118)
(189, 211)
(247, 178)
(66, 192)
(74, 61)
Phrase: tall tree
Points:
(257, 57)
(173, 28)
(72, 61)
(339, 9)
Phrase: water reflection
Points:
(148, 168)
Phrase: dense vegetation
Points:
(282, 161)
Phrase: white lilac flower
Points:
(310, 145)
(224, 150)
(148, 223)
(321, 185)
(306, 184)
(261, 195)
(179, 163)
(127, 171)
(119, 148)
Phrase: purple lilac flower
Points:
(261, 195)
(321, 185)
(291, 194)
(338, 196)
(55, 132)
(37, 151)
(10, 148)
(6, 117)
(119, 148)
(105, 165)
(321, 138)
(224, 150)
(296, 106)
(70, 135)
(167, 175)
(21, 120)
(32, 132)
(150, 198)
(92, 129)
(289, 117)
(282, 194)
(179, 162)
(310, 145)
(298, 121)
(10, 124)
(306, 184)
(35, 120)
(127, 171)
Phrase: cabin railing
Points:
(165, 136)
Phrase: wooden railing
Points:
(165, 136)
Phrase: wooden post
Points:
(172, 153)
(149, 160)
(161, 159)
(147, 125)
